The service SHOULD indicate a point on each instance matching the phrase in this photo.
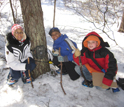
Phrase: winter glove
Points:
(104, 86)
(28, 67)
(103, 70)
(60, 59)
(77, 53)
(55, 53)
(63, 59)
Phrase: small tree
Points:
(14, 19)
(121, 29)
(54, 13)
(34, 27)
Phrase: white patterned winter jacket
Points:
(17, 52)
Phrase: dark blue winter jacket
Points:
(65, 49)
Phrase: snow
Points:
(47, 91)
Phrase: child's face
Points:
(55, 35)
(18, 34)
(92, 44)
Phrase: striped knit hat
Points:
(15, 27)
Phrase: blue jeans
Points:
(15, 75)
(86, 73)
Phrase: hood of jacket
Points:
(93, 36)
(11, 40)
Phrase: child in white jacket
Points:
(17, 51)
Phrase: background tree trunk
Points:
(121, 29)
(14, 19)
(34, 28)
(54, 13)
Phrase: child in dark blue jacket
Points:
(65, 45)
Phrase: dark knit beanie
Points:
(53, 29)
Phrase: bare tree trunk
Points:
(14, 19)
(54, 13)
(121, 29)
(34, 27)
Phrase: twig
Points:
(30, 74)
(80, 64)
(61, 75)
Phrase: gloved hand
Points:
(104, 86)
(103, 70)
(63, 59)
(55, 53)
(60, 59)
(77, 53)
(28, 66)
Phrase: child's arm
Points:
(83, 59)
(110, 68)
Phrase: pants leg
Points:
(86, 73)
(15, 75)
(70, 70)
(55, 61)
(67, 67)
(33, 65)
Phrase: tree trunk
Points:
(121, 29)
(34, 28)
(54, 13)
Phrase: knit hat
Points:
(15, 27)
(91, 37)
(53, 29)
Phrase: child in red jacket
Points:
(97, 58)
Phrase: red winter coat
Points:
(102, 55)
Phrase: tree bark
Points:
(34, 28)
(121, 29)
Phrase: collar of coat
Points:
(11, 40)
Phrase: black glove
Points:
(28, 67)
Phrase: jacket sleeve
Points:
(12, 62)
(70, 57)
(69, 54)
(110, 68)
(69, 50)
(83, 59)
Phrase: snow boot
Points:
(59, 72)
(26, 79)
(89, 84)
(108, 89)
(115, 90)
(11, 81)
(120, 83)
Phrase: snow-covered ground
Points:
(47, 91)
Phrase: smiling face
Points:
(55, 35)
(92, 44)
(18, 34)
